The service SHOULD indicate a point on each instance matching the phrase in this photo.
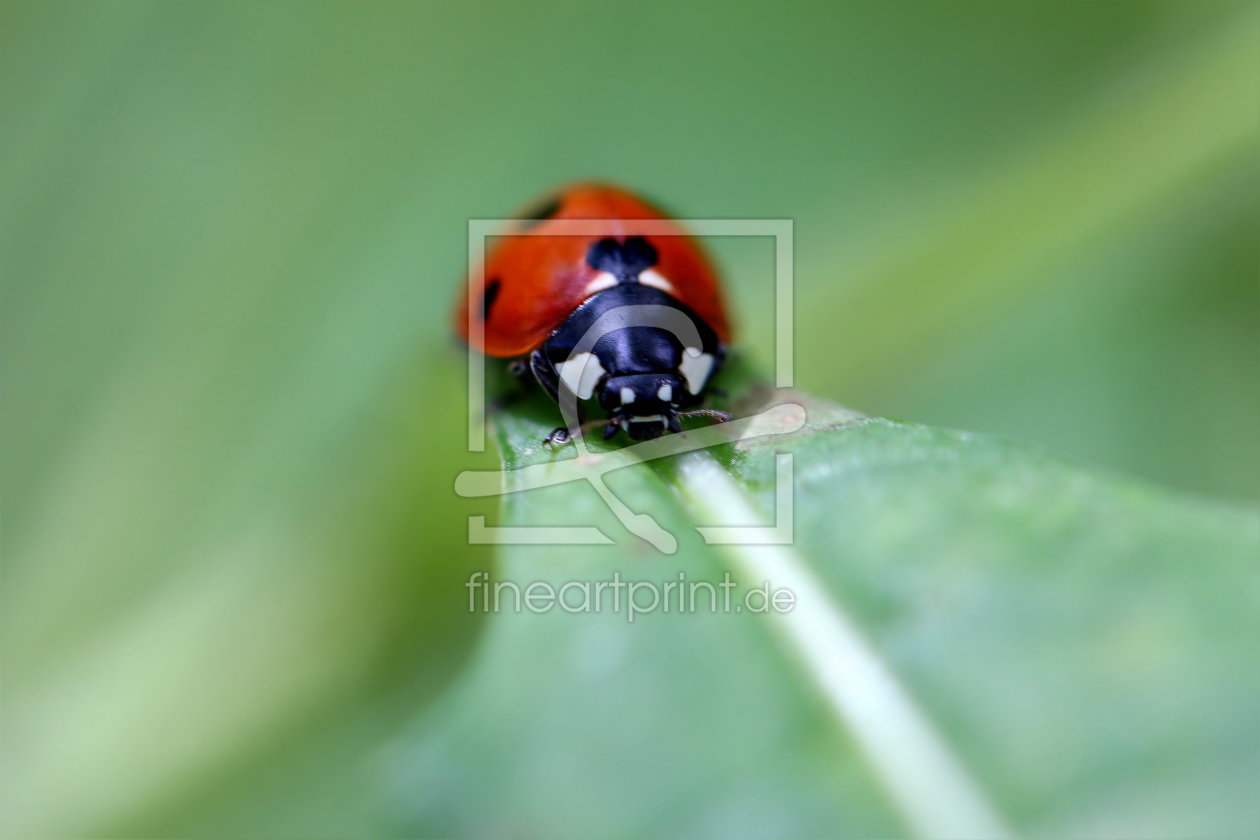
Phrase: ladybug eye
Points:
(541, 211)
(488, 298)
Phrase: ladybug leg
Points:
(544, 372)
(518, 370)
(560, 435)
(517, 389)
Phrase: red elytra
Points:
(536, 281)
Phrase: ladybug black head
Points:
(645, 405)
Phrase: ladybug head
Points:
(645, 405)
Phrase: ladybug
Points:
(623, 317)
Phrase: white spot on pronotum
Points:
(665, 393)
(602, 281)
(580, 374)
(655, 280)
(695, 368)
(627, 396)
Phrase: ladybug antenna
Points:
(720, 416)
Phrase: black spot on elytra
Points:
(488, 297)
(541, 211)
(623, 260)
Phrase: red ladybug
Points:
(629, 318)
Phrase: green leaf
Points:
(986, 640)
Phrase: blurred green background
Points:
(230, 236)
